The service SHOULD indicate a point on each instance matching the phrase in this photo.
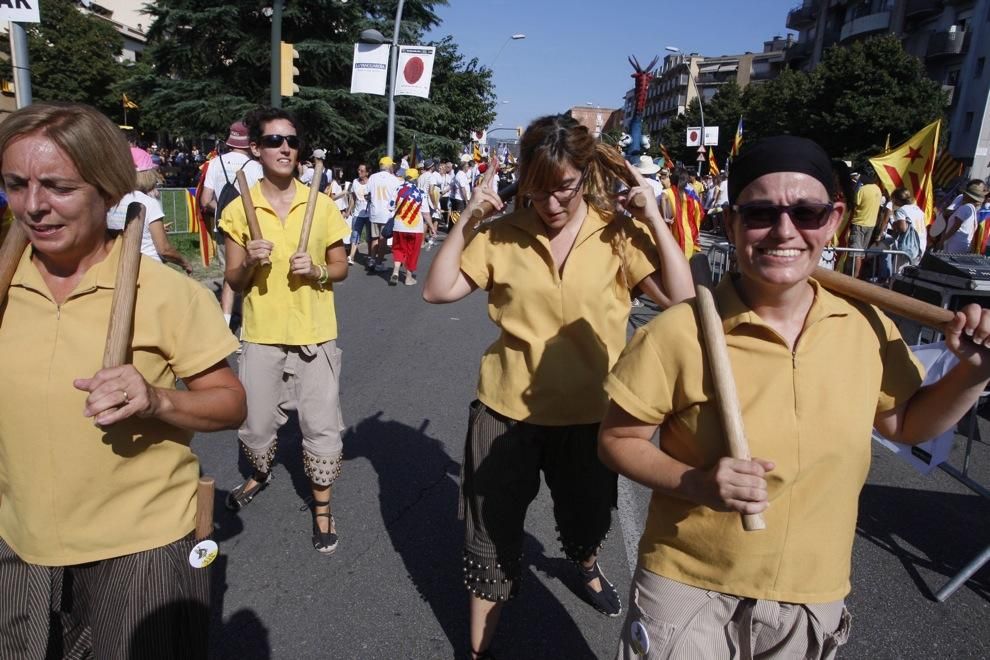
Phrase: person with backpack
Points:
(220, 188)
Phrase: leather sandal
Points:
(605, 601)
(240, 497)
(324, 542)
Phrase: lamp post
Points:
(701, 104)
(515, 37)
(373, 36)
(276, 48)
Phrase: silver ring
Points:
(126, 398)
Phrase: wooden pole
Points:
(11, 252)
(726, 396)
(125, 289)
(314, 190)
(250, 213)
(885, 299)
(204, 507)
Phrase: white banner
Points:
(693, 137)
(369, 73)
(20, 11)
(479, 136)
(415, 71)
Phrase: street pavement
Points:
(393, 589)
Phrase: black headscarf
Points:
(781, 153)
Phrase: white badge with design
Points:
(639, 638)
(203, 554)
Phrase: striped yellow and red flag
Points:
(910, 165)
(207, 248)
(668, 162)
(712, 163)
(737, 140)
(688, 214)
(947, 168)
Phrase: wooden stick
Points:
(250, 213)
(125, 289)
(485, 209)
(204, 507)
(11, 252)
(314, 190)
(726, 396)
(885, 299)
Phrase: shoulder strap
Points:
(224, 168)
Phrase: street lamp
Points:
(373, 36)
(515, 37)
(701, 104)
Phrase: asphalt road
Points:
(393, 589)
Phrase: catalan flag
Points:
(688, 214)
(712, 163)
(909, 165)
(668, 162)
(408, 205)
(737, 140)
(947, 168)
(207, 246)
(127, 103)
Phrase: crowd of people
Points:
(98, 509)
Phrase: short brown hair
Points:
(92, 142)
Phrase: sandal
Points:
(482, 655)
(239, 497)
(324, 542)
(605, 601)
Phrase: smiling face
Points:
(65, 216)
(781, 256)
(278, 161)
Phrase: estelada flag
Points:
(668, 162)
(687, 219)
(910, 165)
(982, 234)
(946, 169)
(737, 140)
(408, 204)
(712, 163)
(207, 248)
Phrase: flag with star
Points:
(408, 205)
(909, 165)
(737, 140)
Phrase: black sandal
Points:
(324, 542)
(482, 655)
(239, 497)
(605, 601)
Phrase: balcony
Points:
(946, 43)
(800, 50)
(917, 9)
(802, 17)
(864, 25)
(950, 94)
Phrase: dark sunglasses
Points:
(275, 141)
(804, 215)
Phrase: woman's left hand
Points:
(968, 337)
(640, 200)
(116, 394)
(301, 264)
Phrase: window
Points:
(980, 63)
(952, 77)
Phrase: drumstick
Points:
(250, 213)
(314, 190)
(10, 255)
(726, 396)
(885, 299)
(204, 507)
(485, 208)
(125, 289)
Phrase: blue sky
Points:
(575, 53)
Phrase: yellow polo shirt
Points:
(810, 412)
(280, 308)
(868, 199)
(560, 334)
(71, 492)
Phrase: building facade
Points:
(595, 119)
(951, 38)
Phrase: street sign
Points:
(693, 138)
(701, 155)
(20, 11)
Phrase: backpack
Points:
(229, 191)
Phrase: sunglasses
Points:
(275, 141)
(804, 215)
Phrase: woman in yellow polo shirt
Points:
(97, 480)
(815, 373)
(558, 275)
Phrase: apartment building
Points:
(951, 37)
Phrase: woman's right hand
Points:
(736, 485)
(259, 252)
(484, 193)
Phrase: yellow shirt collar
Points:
(735, 312)
(259, 200)
(102, 275)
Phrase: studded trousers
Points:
(278, 379)
(503, 459)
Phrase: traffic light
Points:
(287, 78)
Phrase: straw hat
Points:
(647, 166)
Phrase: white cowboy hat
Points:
(647, 166)
(466, 158)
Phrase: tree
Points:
(73, 57)
(210, 62)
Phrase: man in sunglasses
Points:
(815, 372)
(290, 359)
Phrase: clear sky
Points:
(576, 52)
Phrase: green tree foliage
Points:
(73, 57)
(856, 96)
(209, 63)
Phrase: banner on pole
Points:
(369, 73)
(20, 11)
(415, 71)
(693, 138)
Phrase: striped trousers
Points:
(150, 605)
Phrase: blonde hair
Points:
(146, 181)
(92, 142)
(553, 142)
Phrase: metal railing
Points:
(177, 217)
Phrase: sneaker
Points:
(350, 261)
(394, 279)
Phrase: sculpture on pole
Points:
(637, 142)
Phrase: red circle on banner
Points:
(413, 70)
(693, 135)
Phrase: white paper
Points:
(414, 71)
(369, 73)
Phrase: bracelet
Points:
(324, 276)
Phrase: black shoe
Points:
(324, 542)
(605, 601)
(240, 497)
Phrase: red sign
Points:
(413, 70)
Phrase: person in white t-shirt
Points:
(383, 185)
(460, 189)
(358, 196)
(154, 240)
(961, 225)
(445, 180)
(220, 171)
